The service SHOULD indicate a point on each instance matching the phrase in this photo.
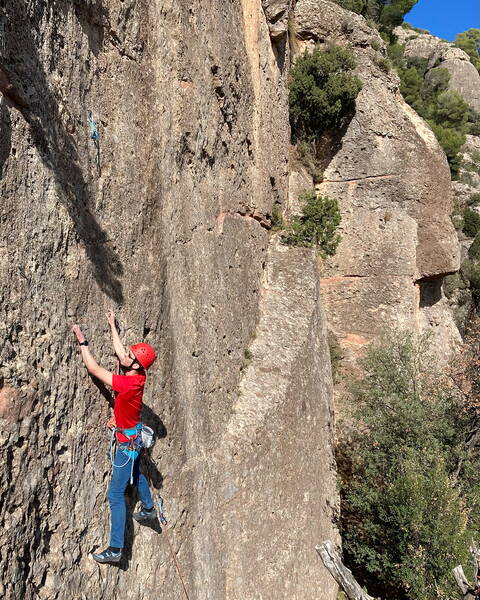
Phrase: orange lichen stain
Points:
(220, 218)
(354, 340)
(186, 84)
(8, 403)
(334, 280)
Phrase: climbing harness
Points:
(138, 437)
(95, 136)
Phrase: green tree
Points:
(405, 517)
(469, 42)
(471, 272)
(387, 13)
(322, 92)
(471, 222)
(317, 225)
(474, 250)
(436, 81)
(396, 54)
(392, 13)
(451, 110)
(451, 141)
(411, 85)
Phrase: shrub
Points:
(392, 13)
(417, 29)
(317, 225)
(451, 141)
(474, 250)
(383, 63)
(452, 283)
(405, 517)
(451, 109)
(446, 111)
(336, 355)
(308, 157)
(411, 85)
(276, 219)
(396, 53)
(471, 222)
(436, 81)
(469, 42)
(474, 122)
(322, 92)
(474, 199)
(465, 178)
(471, 273)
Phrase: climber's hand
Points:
(78, 333)
(111, 318)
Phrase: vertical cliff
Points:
(392, 181)
(169, 223)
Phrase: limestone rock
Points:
(392, 182)
(277, 13)
(464, 77)
(168, 224)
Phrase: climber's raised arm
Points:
(117, 343)
(92, 366)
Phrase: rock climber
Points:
(127, 426)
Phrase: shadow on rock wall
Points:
(56, 146)
(5, 136)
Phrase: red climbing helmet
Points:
(144, 353)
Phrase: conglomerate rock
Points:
(166, 221)
(392, 182)
(464, 77)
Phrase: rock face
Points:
(167, 220)
(392, 182)
(277, 13)
(464, 77)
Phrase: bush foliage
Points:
(469, 42)
(445, 110)
(317, 225)
(387, 14)
(406, 476)
(471, 222)
(322, 92)
(470, 271)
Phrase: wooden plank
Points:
(343, 576)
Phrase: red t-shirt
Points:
(128, 401)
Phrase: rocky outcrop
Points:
(464, 77)
(277, 13)
(392, 182)
(168, 221)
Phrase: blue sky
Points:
(445, 18)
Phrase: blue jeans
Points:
(116, 494)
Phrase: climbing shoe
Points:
(145, 515)
(108, 556)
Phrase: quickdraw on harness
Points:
(95, 136)
(161, 515)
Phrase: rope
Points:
(163, 521)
